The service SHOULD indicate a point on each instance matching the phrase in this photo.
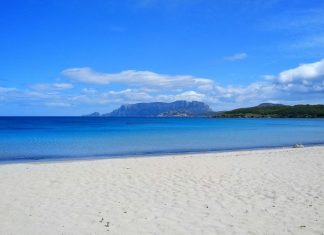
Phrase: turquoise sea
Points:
(45, 138)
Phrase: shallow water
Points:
(30, 138)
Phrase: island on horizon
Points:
(184, 108)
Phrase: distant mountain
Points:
(268, 110)
(95, 114)
(160, 109)
(263, 105)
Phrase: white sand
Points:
(277, 191)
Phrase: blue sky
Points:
(75, 57)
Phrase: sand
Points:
(276, 191)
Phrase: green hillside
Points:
(276, 111)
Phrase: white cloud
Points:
(113, 97)
(57, 104)
(187, 95)
(146, 86)
(62, 86)
(38, 95)
(304, 82)
(7, 89)
(309, 42)
(7, 92)
(304, 73)
(52, 86)
(235, 57)
(128, 95)
(89, 91)
(137, 79)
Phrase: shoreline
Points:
(146, 155)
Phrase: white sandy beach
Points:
(278, 191)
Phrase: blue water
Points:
(35, 138)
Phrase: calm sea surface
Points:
(34, 138)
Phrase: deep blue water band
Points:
(50, 138)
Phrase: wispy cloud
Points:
(238, 56)
(57, 104)
(89, 91)
(187, 95)
(300, 30)
(137, 78)
(51, 86)
(7, 89)
(310, 42)
(304, 82)
(296, 21)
